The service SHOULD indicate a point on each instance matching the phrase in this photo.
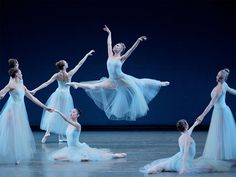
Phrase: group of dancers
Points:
(121, 97)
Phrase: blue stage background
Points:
(188, 42)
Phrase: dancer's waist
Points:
(63, 89)
(116, 76)
(220, 105)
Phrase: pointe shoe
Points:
(155, 170)
(120, 155)
(62, 139)
(124, 154)
(152, 171)
(166, 83)
(45, 137)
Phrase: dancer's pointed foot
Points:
(45, 137)
(154, 170)
(165, 83)
(62, 138)
(120, 155)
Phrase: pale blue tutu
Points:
(121, 96)
(76, 151)
(16, 138)
(221, 138)
(174, 163)
(82, 152)
(61, 100)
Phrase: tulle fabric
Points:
(76, 151)
(221, 138)
(121, 96)
(174, 163)
(17, 141)
(61, 100)
(82, 152)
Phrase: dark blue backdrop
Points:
(188, 42)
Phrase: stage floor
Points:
(142, 147)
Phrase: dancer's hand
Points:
(106, 29)
(33, 92)
(55, 110)
(142, 38)
(182, 171)
(50, 109)
(73, 84)
(199, 119)
(90, 53)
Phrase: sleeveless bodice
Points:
(17, 94)
(72, 135)
(62, 84)
(132, 92)
(221, 100)
(191, 152)
(114, 68)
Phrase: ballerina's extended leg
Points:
(104, 84)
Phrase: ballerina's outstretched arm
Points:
(75, 124)
(36, 101)
(231, 90)
(187, 141)
(135, 45)
(216, 96)
(45, 84)
(4, 91)
(81, 62)
(109, 41)
(190, 130)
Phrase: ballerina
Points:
(221, 141)
(13, 63)
(17, 142)
(183, 161)
(61, 99)
(121, 96)
(77, 151)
